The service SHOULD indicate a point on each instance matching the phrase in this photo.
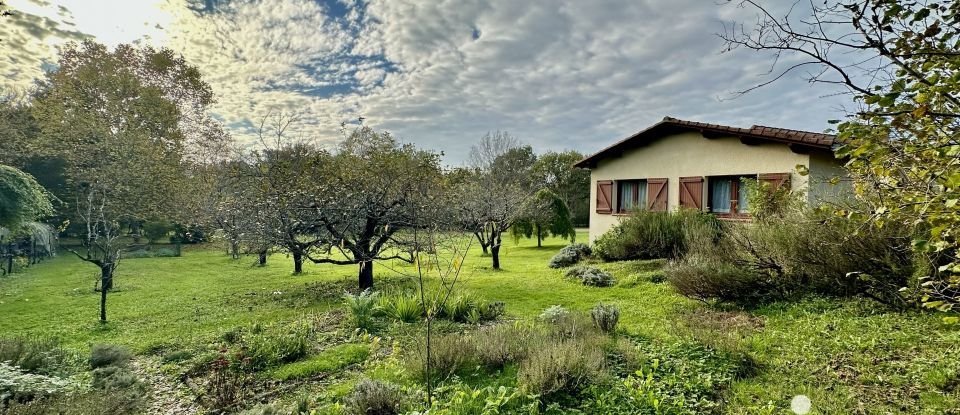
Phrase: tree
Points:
(124, 122)
(373, 190)
(22, 199)
(555, 171)
(898, 61)
(544, 214)
(491, 200)
(283, 175)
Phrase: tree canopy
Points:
(22, 199)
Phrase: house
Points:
(685, 164)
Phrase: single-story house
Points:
(686, 164)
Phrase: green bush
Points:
(591, 276)
(362, 307)
(37, 355)
(502, 344)
(463, 400)
(570, 255)
(165, 253)
(651, 235)
(459, 307)
(373, 397)
(554, 313)
(82, 403)
(605, 317)
(20, 386)
(449, 354)
(104, 355)
(156, 230)
(561, 367)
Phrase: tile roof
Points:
(758, 132)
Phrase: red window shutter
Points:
(657, 195)
(604, 201)
(776, 180)
(691, 192)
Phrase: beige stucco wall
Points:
(690, 154)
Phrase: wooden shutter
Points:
(657, 195)
(604, 191)
(776, 180)
(691, 192)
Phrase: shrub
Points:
(177, 356)
(553, 314)
(706, 279)
(262, 409)
(402, 307)
(459, 307)
(362, 307)
(496, 346)
(486, 401)
(104, 355)
(18, 385)
(140, 253)
(156, 230)
(373, 397)
(569, 255)
(591, 276)
(565, 366)
(114, 378)
(82, 403)
(652, 235)
(165, 253)
(605, 317)
(42, 356)
(490, 311)
(449, 354)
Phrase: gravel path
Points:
(165, 397)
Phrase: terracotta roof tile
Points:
(781, 135)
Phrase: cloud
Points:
(557, 74)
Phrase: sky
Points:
(557, 74)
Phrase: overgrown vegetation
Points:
(653, 235)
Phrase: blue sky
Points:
(558, 74)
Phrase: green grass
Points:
(848, 356)
(329, 360)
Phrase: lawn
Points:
(847, 356)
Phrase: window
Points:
(728, 195)
(631, 195)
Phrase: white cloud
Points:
(557, 74)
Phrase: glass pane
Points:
(720, 195)
(743, 206)
(626, 195)
(642, 194)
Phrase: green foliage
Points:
(554, 314)
(22, 199)
(405, 308)
(156, 230)
(545, 214)
(570, 255)
(17, 384)
(329, 360)
(271, 346)
(502, 344)
(652, 235)
(106, 355)
(461, 400)
(450, 354)
(362, 308)
(605, 317)
(591, 276)
(564, 366)
(555, 171)
(37, 355)
(373, 397)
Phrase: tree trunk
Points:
(483, 243)
(539, 237)
(106, 284)
(262, 258)
(234, 249)
(297, 262)
(495, 254)
(366, 275)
